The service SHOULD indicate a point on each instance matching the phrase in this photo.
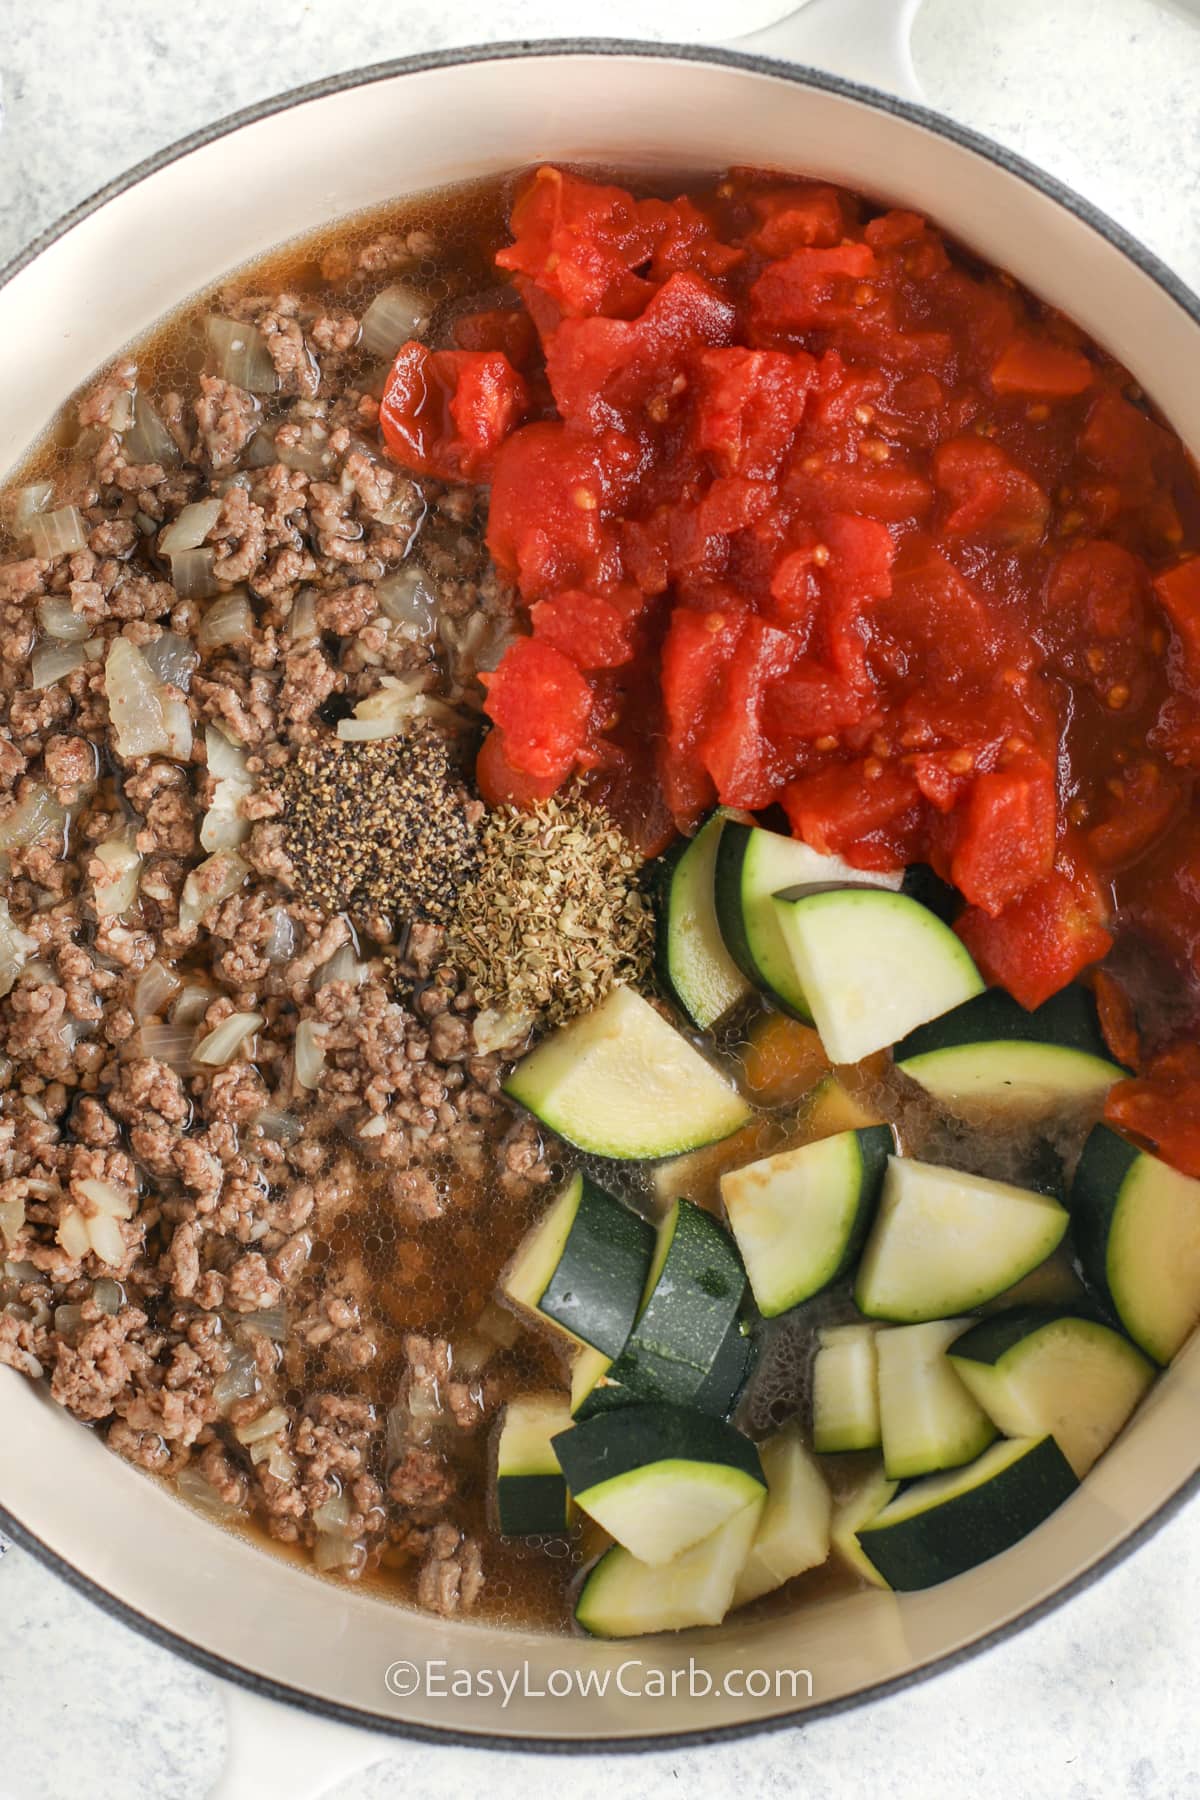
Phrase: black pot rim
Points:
(1163, 277)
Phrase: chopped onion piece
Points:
(239, 1381)
(36, 814)
(310, 1054)
(73, 1234)
(59, 620)
(311, 457)
(12, 1217)
(210, 882)
(240, 355)
(67, 1319)
(386, 712)
(283, 1127)
(26, 503)
(280, 1464)
(190, 529)
(171, 659)
(472, 1354)
(147, 439)
(134, 702)
(170, 1044)
(333, 1515)
(268, 1424)
(281, 944)
(398, 313)
(60, 533)
(106, 1197)
(226, 760)
(109, 1296)
(302, 620)
(51, 663)
(178, 721)
(330, 1552)
(495, 1030)
(343, 965)
(228, 620)
(260, 451)
(409, 601)
(115, 889)
(192, 1004)
(226, 1039)
(271, 1322)
(194, 1488)
(225, 826)
(192, 574)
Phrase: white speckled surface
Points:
(1097, 1701)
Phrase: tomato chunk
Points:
(810, 289)
(1006, 837)
(989, 496)
(797, 218)
(543, 707)
(579, 242)
(696, 654)
(446, 412)
(547, 522)
(501, 783)
(1178, 592)
(866, 811)
(748, 405)
(592, 631)
(736, 751)
(1042, 941)
(1042, 370)
(1162, 1108)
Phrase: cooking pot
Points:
(104, 276)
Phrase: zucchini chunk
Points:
(1035, 1372)
(793, 1526)
(692, 1295)
(693, 963)
(928, 1418)
(845, 1390)
(872, 964)
(583, 1267)
(943, 1242)
(753, 865)
(946, 1524)
(622, 1597)
(1136, 1225)
(991, 1051)
(588, 1370)
(621, 1082)
(862, 1504)
(832, 1107)
(659, 1478)
(731, 1369)
(531, 1494)
(800, 1218)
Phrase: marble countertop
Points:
(1099, 1699)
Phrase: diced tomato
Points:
(1093, 623)
(808, 290)
(988, 495)
(579, 242)
(1160, 895)
(1117, 1020)
(1178, 592)
(747, 405)
(933, 622)
(446, 412)
(1041, 369)
(735, 750)
(811, 701)
(506, 328)
(797, 218)
(500, 783)
(867, 811)
(687, 240)
(622, 372)
(1162, 1108)
(548, 518)
(592, 631)
(893, 229)
(1042, 941)
(543, 707)
(696, 653)
(1144, 802)
(1006, 835)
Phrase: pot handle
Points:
(868, 41)
(273, 1752)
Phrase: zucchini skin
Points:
(596, 1287)
(992, 1338)
(735, 843)
(531, 1505)
(672, 1346)
(635, 1437)
(1100, 1176)
(876, 1144)
(1068, 1020)
(718, 1394)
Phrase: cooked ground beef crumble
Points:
(242, 1280)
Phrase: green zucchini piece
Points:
(793, 1527)
(588, 1371)
(1036, 1372)
(621, 1082)
(622, 1597)
(693, 963)
(991, 1051)
(693, 1292)
(946, 1524)
(583, 1267)
(731, 1369)
(531, 1494)
(659, 1478)
(800, 1218)
(872, 964)
(845, 1390)
(928, 1418)
(1136, 1224)
(856, 1508)
(943, 1242)
(752, 866)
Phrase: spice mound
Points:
(382, 826)
(555, 916)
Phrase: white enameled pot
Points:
(220, 199)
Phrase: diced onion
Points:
(280, 1464)
(109, 1296)
(282, 1127)
(226, 760)
(134, 702)
(115, 890)
(282, 942)
(54, 662)
(386, 712)
(228, 620)
(194, 1488)
(192, 574)
(268, 1424)
(343, 965)
(260, 451)
(409, 601)
(58, 619)
(107, 1241)
(310, 1054)
(27, 502)
(171, 659)
(312, 455)
(178, 721)
(106, 1197)
(170, 1044)
(147, 439)
(496, 1030)
(67, 1320)
(226, 1039)
(330, 1552)
(190, 529)
(472, 1354)
(398, 313)
(201, 892)
(224, 825)
(37, 813)
(193, 1002)
(239, 1381)
(60, 533)
(12, 1217)
(498, 1324)
(241, 355)
(271, 1322)
(302, 620)
(333, 1515)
